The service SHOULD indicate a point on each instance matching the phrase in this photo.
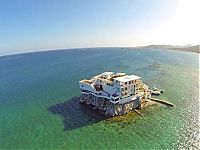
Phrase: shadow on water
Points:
(76, 115)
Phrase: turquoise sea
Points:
(38, 108)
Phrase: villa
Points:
(114, 93)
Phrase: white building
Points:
(117, 89)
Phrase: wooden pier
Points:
(162, 102)
(138, 112)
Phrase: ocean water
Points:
(39, 108)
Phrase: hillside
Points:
(188, 48)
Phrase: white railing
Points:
(103, 96)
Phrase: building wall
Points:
(87, 87)
(126, 91)
(129, 88)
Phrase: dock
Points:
(138, 112)
(162, 102)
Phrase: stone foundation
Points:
(109, 108)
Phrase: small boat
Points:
(155, 92)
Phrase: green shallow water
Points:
(34, 87)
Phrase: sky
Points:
(35, 25)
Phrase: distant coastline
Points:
(187, 48)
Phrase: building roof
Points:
(127, 78)
(107, 73)
(120, 73)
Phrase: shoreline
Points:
(137, 47)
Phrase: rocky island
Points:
(117, 93)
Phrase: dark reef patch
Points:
(76, 115)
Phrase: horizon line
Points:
(60, 49)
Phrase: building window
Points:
(125, 88)
(108, 84)
(125, 82)
(81, 85)
(129, 82)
